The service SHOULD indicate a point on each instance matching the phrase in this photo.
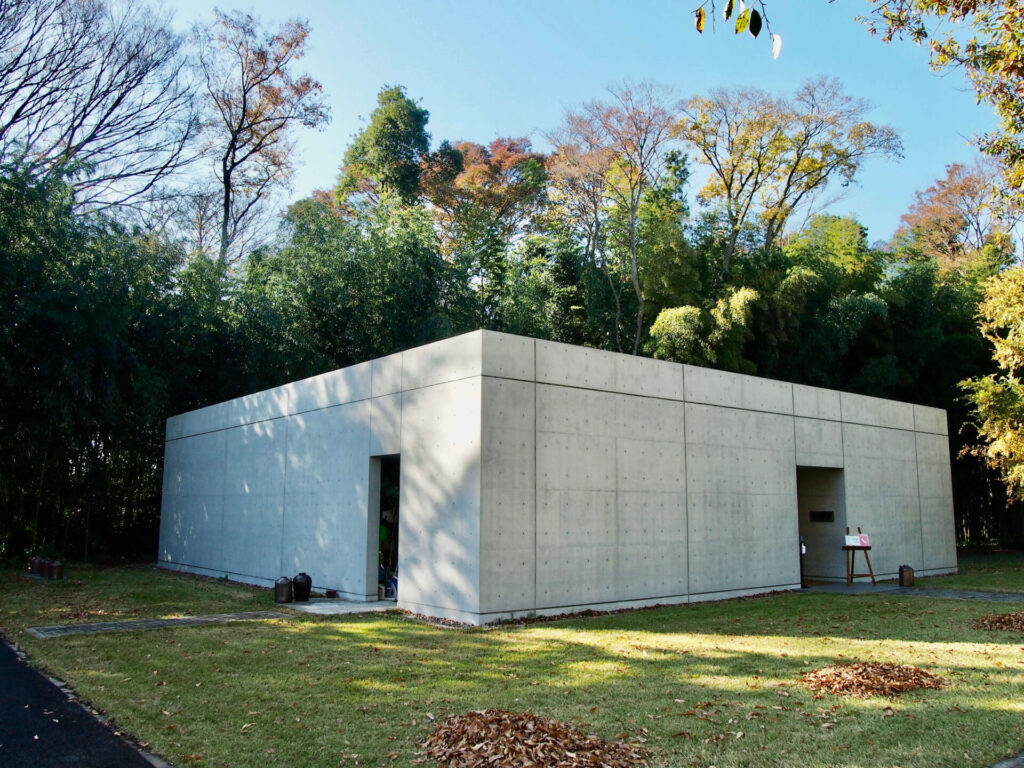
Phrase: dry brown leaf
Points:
(1002, 622)
(870, 679)
(496, 737)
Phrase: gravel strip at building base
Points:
(64, 630)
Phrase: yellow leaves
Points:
(743, 21)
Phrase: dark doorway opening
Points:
(387, 534)
(821, 499)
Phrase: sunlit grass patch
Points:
(989, 571)
(708, 684)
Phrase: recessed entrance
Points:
(385, 474)
(821, 501)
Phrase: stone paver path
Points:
(63, 630)
(969, 594)
(866, 588)
(335, 607)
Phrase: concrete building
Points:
(536, 477)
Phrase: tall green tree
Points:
(388, 154)
(998, 399)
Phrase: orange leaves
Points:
(496, 737)
(1002, 622)
(870, 678)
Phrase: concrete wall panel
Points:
(930, 420)
(876, 412)
(334, 388)
(446, 360)
(882, 494)
(642, 418)
(611, 498)
(652, 561)
(386, 425)
(741, 499)
(935, 486)
(508, 356)
(259, 406)
(208, 419)
(573, 366)
(648, 378)
(439, 522)
(508, 501)
(324, 526)
(819, 443)
(575, 462)
(711, 387)
(386, 375)
(254, 469)
(193, 500)
(816, 403)
(576, 547)
(568, 410)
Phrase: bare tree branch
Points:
(95, 90)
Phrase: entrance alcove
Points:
(821, 504)
(382, 526)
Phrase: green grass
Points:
(688, 680)
(88, 594)
(1001, 571)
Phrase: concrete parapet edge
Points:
(255, 581)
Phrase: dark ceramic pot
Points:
(283, 590)
(301, 585)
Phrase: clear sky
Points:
(490, 68)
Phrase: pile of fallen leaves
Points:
(871, 678)
(1002, 622)
(496, 737)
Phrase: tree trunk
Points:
(225, 214)
(39, 500)
(635, 275)
(618, 310)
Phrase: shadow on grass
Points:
(704, 684)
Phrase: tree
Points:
(768, 156)
(709, 337)
(961, 214)
(998, 399)
(502, 185)
(837, 248)
(89, 358)
(619, 147)
(96, 88)
(254, 103)
(388, 154)
(344, 289)
(983, 38)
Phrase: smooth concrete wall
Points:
(282, 480)
(609, 480)
(539, 477)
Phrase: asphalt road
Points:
(40, 727)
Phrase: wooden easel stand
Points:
(851, 555)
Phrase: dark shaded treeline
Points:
(107, 329)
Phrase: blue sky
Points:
(489, 68)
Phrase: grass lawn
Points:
(703, 685)
(1000, 571)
